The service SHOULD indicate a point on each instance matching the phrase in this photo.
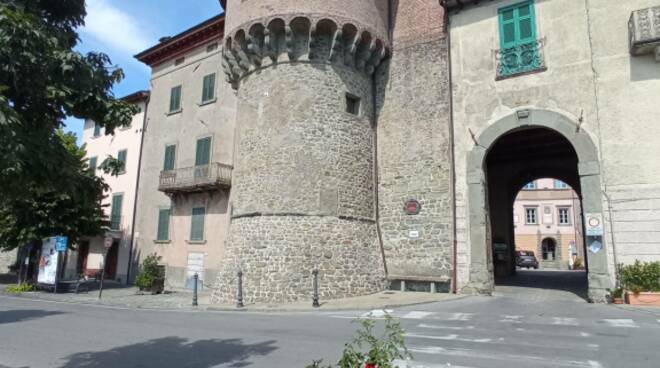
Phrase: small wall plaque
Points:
(412, 207)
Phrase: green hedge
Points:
(640, 276)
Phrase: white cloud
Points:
(114, 27)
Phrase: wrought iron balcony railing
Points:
(115, 223)
(195, 179)
(521, 59)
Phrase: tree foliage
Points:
(46, 187)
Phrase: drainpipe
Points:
(452, 171)
(137, 186)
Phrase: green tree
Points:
(45, 183)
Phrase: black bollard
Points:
(315, 285)
(239, 292)
(196, 280)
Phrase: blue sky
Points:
(122, 28)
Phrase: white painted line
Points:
(416, 315)
(584, 334)
(659, 321)
(450, 337)
(511, 319)
(564, 321)
(442, 327)
(461, 317)
(621, 323)
(378, 313)
(414, 364)
(530, 360)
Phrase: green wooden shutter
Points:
(197, 224)
(203, 151)
(517, 24)
(121, 156)
(92, 164)
(208, 88)
(163, 232)
(175, 99)
(115, 213)
(170, 156)
(97, 129)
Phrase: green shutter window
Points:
(115, 212)
(519, 51)
(208, 88)
(203, 151)
(97, 129)
(92, 164)
(197, 224)
(170, 156)
(121, 157)
(163, 232)
(175, 99)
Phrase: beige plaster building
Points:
(547, 221)
(187, 155)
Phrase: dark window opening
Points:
(352, 104)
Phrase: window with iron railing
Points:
(520, 51)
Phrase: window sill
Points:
(211, 101)
(170, 113)
(196, 241)
(527, 72)
(162, 241)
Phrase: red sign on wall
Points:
(412, 207)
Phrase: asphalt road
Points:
(524, 325)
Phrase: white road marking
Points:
(378, 313)
(482, 354)
(621, 323)
(450, 337)
(511, 319)
(584, 334)
(461, 317)
(659, 321)
(416, 315)
(564, 321)
(414, 364)
(441, 327)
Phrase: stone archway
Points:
(588, 172)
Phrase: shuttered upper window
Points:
(97, 129)
(208, 88)
(115, 212)
(92, 164)
(170, 157)
(197, 224)
(203, 151)
(517, 24)
(163, 232)
(121, 157)
(175, 99)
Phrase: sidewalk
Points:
(131, 297)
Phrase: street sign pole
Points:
(107, 243)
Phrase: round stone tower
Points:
(302, 193)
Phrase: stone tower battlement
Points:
(273, 40)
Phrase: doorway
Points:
(111, 261)
(548, 248)
(511, 152)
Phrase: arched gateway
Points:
(529, 144)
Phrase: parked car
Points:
(526, 259)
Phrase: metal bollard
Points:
(239, 292)
(315, 285)
(196, 280)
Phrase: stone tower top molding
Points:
(280, 39)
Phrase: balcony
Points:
(644, 32)
(519, 60)
(195, 179)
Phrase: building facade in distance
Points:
(547, 221)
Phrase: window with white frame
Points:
(560, 184)
(531, 216)
(530, 185)
(564, 215)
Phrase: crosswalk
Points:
(475, 340)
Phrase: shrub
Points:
(16, 289)
(640, 276)
(366, 347)
(577, 264)
(150, 272)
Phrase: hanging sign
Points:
(595, 246)
(594, 224)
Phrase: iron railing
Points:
(521, 59)
(196, 178)
(115, 222)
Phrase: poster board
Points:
(48, 262)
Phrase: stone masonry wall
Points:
(303, 194)
(7, 259)
(414, 160)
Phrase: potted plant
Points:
(152, 276)
(617, 295)
(641, 280)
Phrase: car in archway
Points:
(526, 259)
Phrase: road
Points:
(525, 325)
